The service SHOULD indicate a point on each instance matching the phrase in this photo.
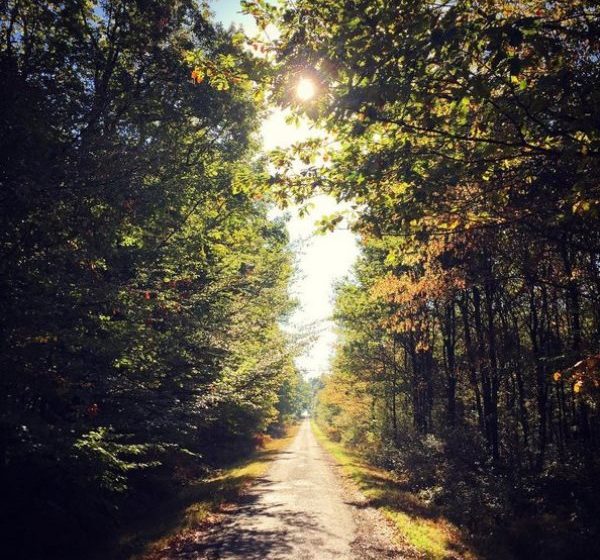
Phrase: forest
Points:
(144, 283)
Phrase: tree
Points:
(464, 135)
(142, 283)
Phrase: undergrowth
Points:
(197, 506)
(418, 525)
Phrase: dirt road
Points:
(302, 510)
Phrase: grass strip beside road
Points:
(199, 506)
(417, 525)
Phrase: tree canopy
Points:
(465, 137)
(142, 284)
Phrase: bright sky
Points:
(322, 259)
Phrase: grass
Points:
(416, 524)
(196, 507)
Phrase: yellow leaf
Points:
(581, 206)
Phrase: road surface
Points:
(302, 510)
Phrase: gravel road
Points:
(302, 509)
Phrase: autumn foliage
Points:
(464, 137)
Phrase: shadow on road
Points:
(247, 534)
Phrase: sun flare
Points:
(305, 89)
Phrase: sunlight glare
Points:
(305, 89)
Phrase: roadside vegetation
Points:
(420, 526)
(185, 520)
(144, 285)
(463, 138)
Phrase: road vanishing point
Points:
(303, 509)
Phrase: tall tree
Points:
(142, 283)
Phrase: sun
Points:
(305, 89)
